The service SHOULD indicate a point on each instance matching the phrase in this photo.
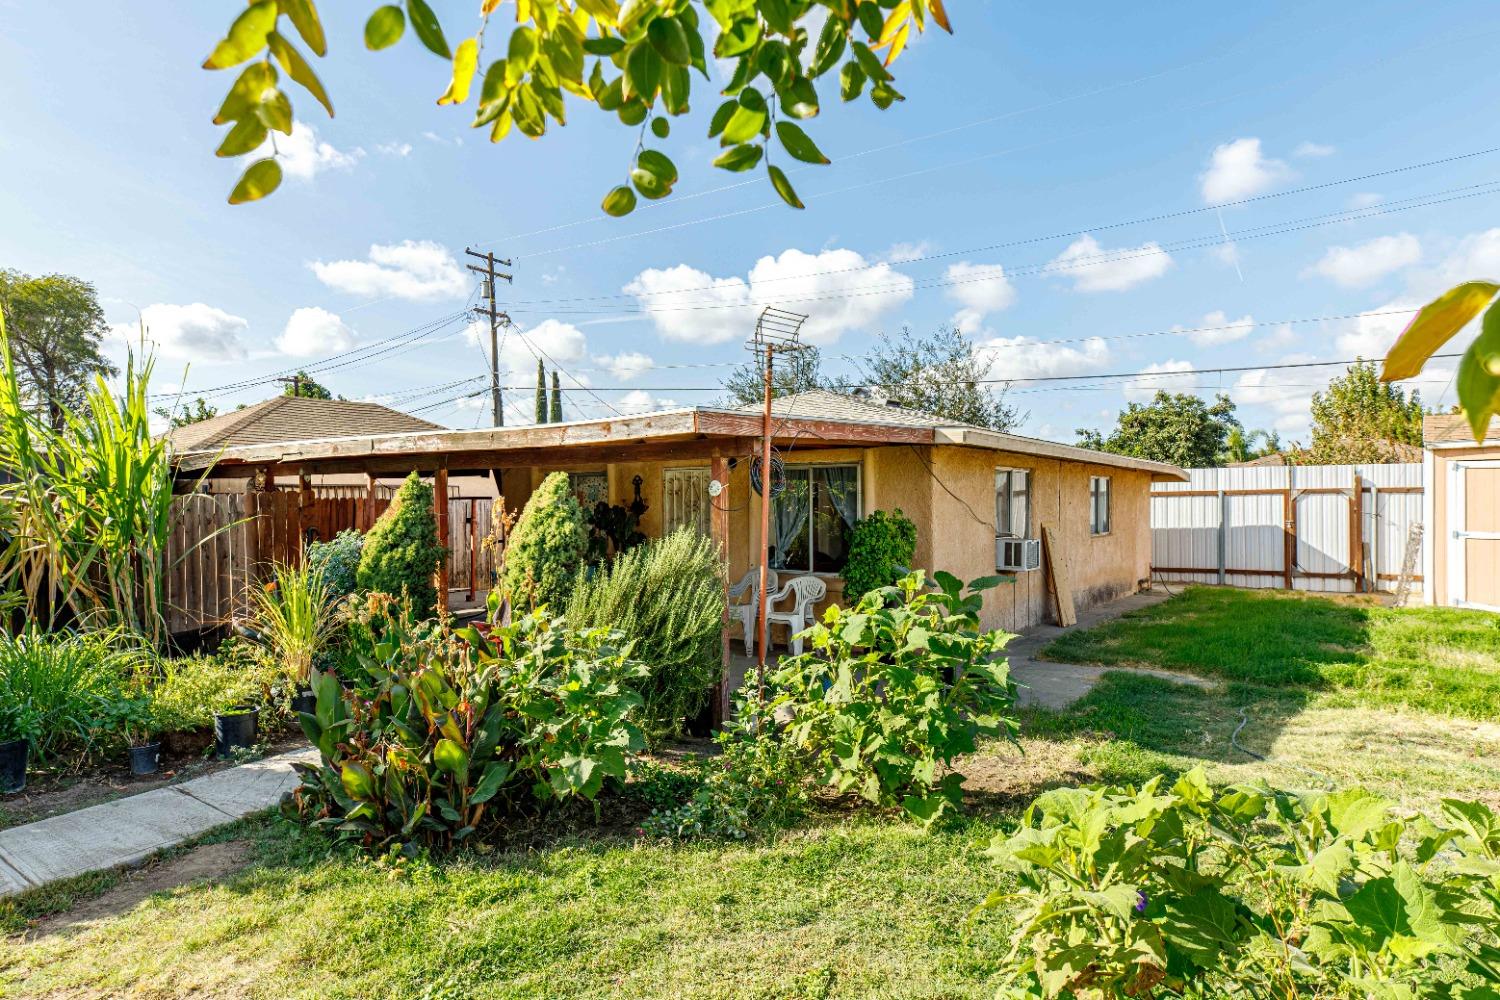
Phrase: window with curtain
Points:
(812, 517)
(1012, 503)
(1098, 505)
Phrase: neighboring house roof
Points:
(828, 419)
(294, 418)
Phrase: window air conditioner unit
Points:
(1018, 553)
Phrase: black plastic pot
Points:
(13, 754)
(305, 701)
(235, 730)
(146, 759)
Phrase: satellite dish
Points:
(778, 476)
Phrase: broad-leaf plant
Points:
(634, 60)
(1478, 380)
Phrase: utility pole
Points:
(295, 382)
(490, 275)
(777, 331)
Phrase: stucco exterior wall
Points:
(949, 492)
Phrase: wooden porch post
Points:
(718, 529)
(304, 508)
(370, 495)
(440, 505)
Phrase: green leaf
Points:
(299, 70)
(520, 55)
(648, 184)
(661, 128)
(870, 19)
(642, 73)
(451, 758)
(869, 62)
(1478, 381)
(676, 86)
(276, 111)
(603, 46)
(737, 40)
(800, 100)
(884, 95)
(721, 117)
(246, 37)
(851, 81)
(620, 201)
(384, 28)
(831, 44)
(778, 14)
(356, 777)
(659, 166)
(799, 144)
(784, 187)
(245, 96)
(425, 23)
(490, 782)
(1434, 326)
(465, 65)
(633, 112)
(1354, 812)
(304, 17)
(774, 60)
(748, 119)
(668, 38)
(246, 136)
(740, 158)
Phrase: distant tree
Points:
(554, 416)
(941, 373)
(1358, 418)
(195, 411)
(541, 392)
(1243, 446)
(55, 328)
(798, 371)
(305, 386)
(1179, 428)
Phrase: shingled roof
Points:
(295, 418)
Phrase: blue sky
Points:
(994, 196)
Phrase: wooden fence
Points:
(224, 543)
(1338, 528)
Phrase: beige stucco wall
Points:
(948, 491)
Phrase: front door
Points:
(1474, 542)
(685, 500)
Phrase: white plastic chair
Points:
(745, 612)
(805, 592)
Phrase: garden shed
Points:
(980, 499)
(1462, 497)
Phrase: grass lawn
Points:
(853, 904)
(1439, 660)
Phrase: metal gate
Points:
(685, 500)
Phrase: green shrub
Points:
(544, 552)
(1248, 891)
(667, 597)
(892, 690)
(461, 731)
(882, 546)
(296, 618)
(402, 551)
(338, 560)
(188, 690)
(59, 685)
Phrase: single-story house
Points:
(1461, 481)
(979, 498)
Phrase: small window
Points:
(1099, 505)
(1012, 503)
(811, 519)
(589, 487)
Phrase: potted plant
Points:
(17, 730)
(235, 705)
(136, 721)
(296, 617)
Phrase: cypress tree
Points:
(402, 551)
(556, 416)
(546, 547)
(541, 393)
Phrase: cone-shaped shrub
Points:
(402, 551)
(546, 548)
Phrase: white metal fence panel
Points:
(1345, 526)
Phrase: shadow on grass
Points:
(1134, 726)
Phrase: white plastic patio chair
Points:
(805, 591)
(745, 611)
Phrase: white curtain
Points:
(789, 512)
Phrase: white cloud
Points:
(1313, 150)
(313, 331)
(1278, 339)
(640, 401)
(981, 289)
(1364, 199)
(1286, 393)
(1366, 263)
(399, 149)
(1238, 170)
(196, 332)
(303, 155)
(1025, 357)
(1476, 256)
(413, 269)
(1165, 376)
(1217, 328)
(900, 253)
(839, 290)
(1371, 334)
(626, 365)
(555, 342)
(1094, 269)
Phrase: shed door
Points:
(1474, 547)
(685, 500)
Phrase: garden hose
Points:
(1234, 741)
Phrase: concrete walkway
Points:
(128, 831)
(1058, 685)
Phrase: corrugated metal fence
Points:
(1340, 528)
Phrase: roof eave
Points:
(999, 441)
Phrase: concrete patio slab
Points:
(128, 831)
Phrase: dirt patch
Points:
(205, 863)
(1000, 778)
(51, 794)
